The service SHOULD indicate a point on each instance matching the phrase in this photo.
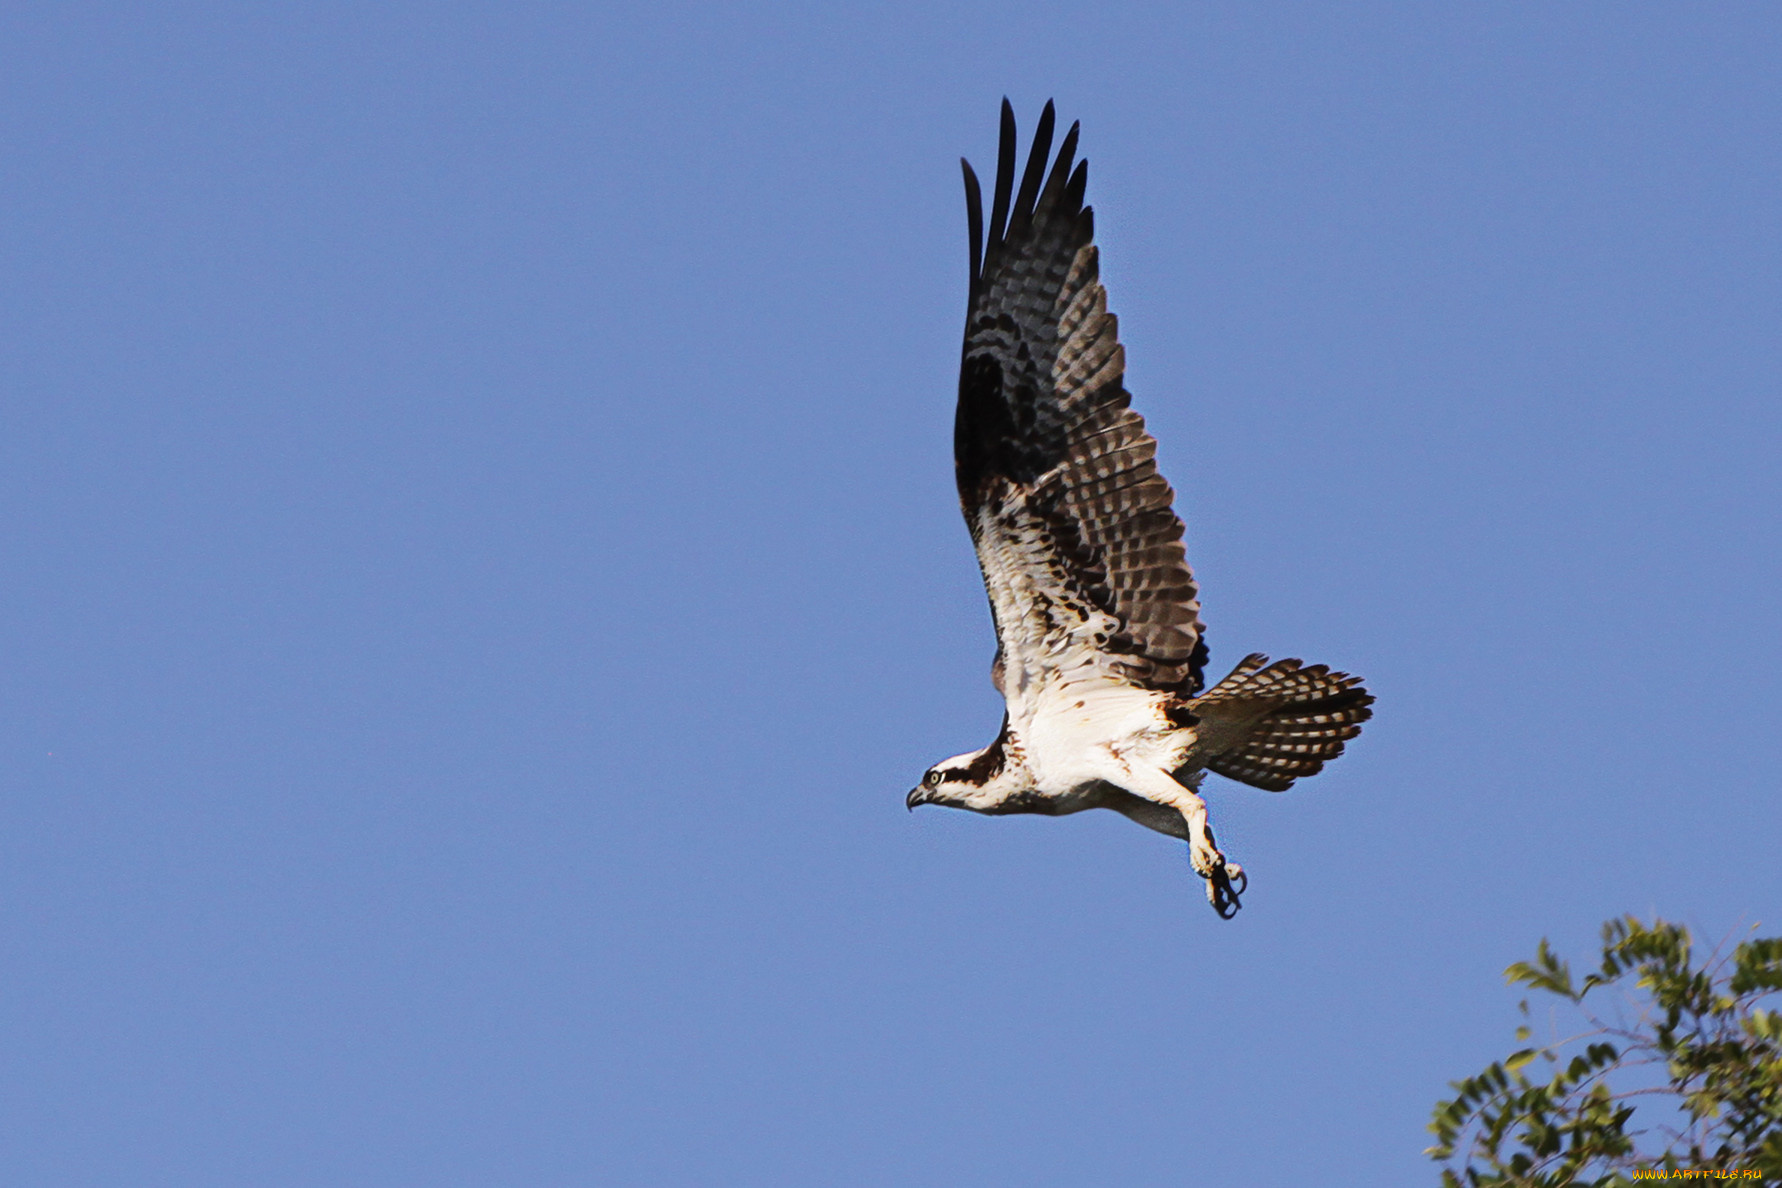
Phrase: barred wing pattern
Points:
(1056, 473)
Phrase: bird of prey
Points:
(1100, 647)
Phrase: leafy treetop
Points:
(1698, 1036)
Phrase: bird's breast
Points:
(1072, 731)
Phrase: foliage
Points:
(1699, 1037)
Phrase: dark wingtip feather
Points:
(1067, 155)
(1079, 184)
(974, 221)
(1005, 178)
(1036, 167)
(1056, 181)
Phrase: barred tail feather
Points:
(1303, 718)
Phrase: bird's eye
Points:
(932, 779)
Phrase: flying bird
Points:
(1100, 647)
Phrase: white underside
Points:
(1079, 727)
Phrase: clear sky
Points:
(482, 571)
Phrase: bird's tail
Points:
(1301, 719)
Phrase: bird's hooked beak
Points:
(918, 795)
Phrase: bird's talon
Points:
(1221, 894)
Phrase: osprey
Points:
(1100, 648)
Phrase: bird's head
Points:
(970, 781)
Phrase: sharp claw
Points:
(1224, 897)
(1218, 873)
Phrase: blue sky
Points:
(483, 571)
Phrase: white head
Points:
(982, 781)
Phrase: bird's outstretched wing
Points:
(1081, 553)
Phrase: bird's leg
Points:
(1203, 853)
(1208, 862)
